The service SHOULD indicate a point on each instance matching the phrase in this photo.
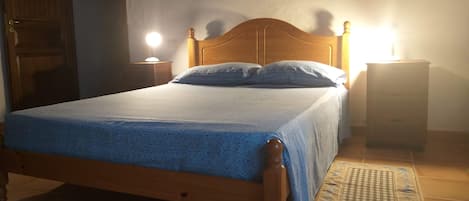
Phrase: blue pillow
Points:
(224, 74)
(301, 73)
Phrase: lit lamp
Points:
(389, 37)
(374, 44)
(153, 40)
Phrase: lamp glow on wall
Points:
(388, 39)
(153, 40)
(370, 44)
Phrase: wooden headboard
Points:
(266, 40)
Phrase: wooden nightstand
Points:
(162, 72)
(397, 99)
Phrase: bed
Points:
(213, 155)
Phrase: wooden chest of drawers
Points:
(397, 99)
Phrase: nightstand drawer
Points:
(396, 134)
(403, 109)
(161, 70)
(397, 79)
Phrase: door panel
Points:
(38, 35)
(37, 8)
(41, 52)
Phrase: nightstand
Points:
(162, 72)
(397, 99)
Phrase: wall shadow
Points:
(323, 23)
(102, 48)
(208, 23)
(214, 29)
(357, 99)
(448, 96)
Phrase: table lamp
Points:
(153, 39)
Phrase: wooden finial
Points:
(191, 33)
(274, 153)
(346, 27)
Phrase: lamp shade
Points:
(153, 39)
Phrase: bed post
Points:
(344, 54)
(192, 48)
(3, 172)
(275, 182)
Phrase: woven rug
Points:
(348, 181)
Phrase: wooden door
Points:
(41, 52)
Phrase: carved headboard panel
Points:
(266, 40)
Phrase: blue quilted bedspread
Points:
(216, 131)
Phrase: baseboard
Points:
(445, 132)
(362, 130)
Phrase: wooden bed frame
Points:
(266, 40)
(258, 41)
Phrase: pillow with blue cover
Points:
(224, 74)
(300, 73)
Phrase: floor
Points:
(442, 170)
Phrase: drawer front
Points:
(410, 110)
(397, 79)
(397, 134)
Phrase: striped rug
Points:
(349, 181)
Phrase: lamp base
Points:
(152, 59)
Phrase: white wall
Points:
(101, 45)
(435, 30)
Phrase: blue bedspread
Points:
(216, 131)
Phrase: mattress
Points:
(209, 130)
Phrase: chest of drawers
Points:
(397, 99)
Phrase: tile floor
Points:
(442, 170)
